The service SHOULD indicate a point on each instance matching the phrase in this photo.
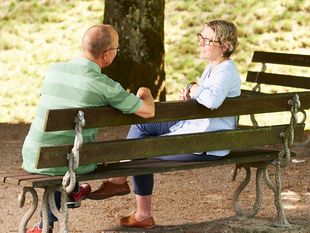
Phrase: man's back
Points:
(77, 83)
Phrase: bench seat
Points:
(139, 167)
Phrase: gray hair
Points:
(97, 39)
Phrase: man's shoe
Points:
(36, 229)
(109, 189)
(130, 221)
(74, 199)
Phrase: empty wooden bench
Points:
(278, 69)
(137, 153)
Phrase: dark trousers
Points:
(143, 184)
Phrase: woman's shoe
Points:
(130, 221)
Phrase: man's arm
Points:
(147, 109)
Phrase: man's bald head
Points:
(98, 38)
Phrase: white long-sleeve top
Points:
(214, 86)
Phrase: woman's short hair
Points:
(225, 32)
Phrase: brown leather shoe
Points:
(109, 189)
(130, 221)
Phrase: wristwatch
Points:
(190, 85)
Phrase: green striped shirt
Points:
(77, 83)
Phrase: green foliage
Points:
(279, 26)
(35, 33)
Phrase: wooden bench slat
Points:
(156, 146)
(281, 58)
(11, 173)
(278, 79)
(42, 182)
(97, 117)
(17, 179)
(251, 93)
(146, 166)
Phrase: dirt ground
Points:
(193, 201)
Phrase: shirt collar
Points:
(86, 62)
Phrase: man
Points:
(80, 83)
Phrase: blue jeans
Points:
(143, 184)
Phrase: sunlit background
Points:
(37, 33)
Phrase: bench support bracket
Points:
(61, 214)
(262, 171)
(29, 213)
(241, 213)
(281, 220)
(282, 160)
(47, 200)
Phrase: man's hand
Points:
(144, 92)
(147, 109)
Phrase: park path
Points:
(194, 201)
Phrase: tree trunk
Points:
(140, 62)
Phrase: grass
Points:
(35, 33)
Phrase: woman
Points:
(220, 79)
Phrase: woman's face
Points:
(210, 48)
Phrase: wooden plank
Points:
(168, 145)
(47, 181)
(281, 58)
(278, 79)
(21, 177)
(62, 119)
(251, 93)
(140, 167)
(168, 166)
(147, 166)
(6, 173)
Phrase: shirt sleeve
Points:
(213, 95)
(123, 100)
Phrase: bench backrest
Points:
(281, 79)
(99, 152)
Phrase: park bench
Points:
(133, 157)
(283, 70)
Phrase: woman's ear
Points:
(225, 47)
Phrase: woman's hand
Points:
(185, 93)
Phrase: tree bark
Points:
(140, 62)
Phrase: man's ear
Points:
(104, 56)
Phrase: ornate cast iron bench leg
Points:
(48, 199)
(241, 213)
(262, 169)
(281, 161)
(29, 213)
(281, 220)
(61, 214)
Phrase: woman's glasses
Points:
(205, 41)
